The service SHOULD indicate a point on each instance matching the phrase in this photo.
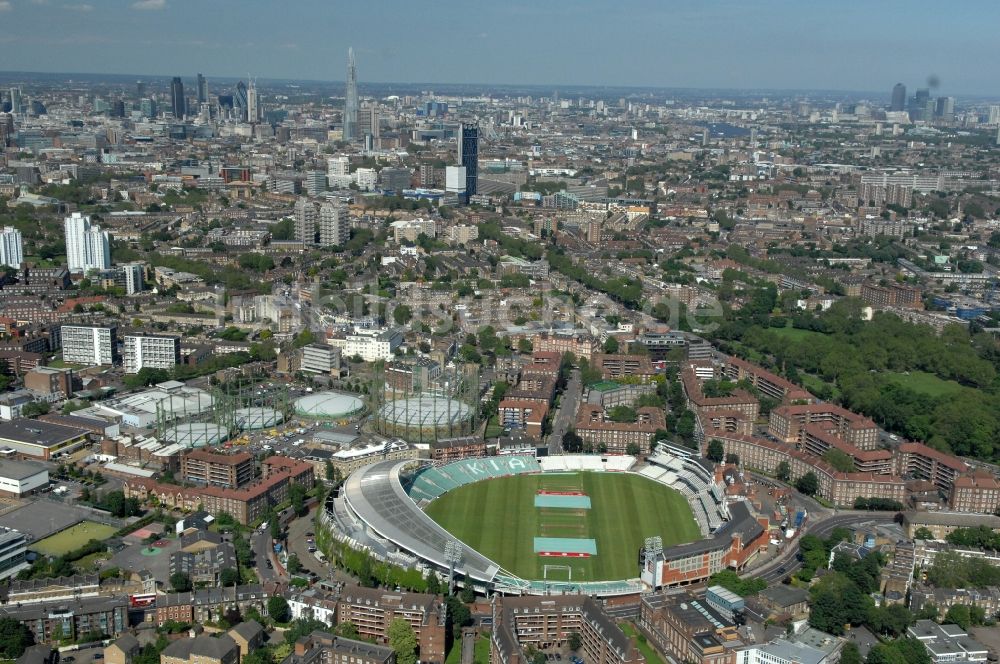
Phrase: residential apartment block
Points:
(520, 623)
(207, 468)
(153, 351)
(89, 344)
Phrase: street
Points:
(787, 562)
(260, 542)
(568, 405)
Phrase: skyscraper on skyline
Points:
(140, 90)
(919, 104)
(177, 101)
(15, 101)
(240, 100)
(87, 246)
(202, 89)
(351, 99)
(253, 106)
(468, 156)
(898, 97)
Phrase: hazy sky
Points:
(803, 44)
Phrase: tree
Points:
(278, 609)
(633, 449)
(229, 577)
(300, 627)
(403, 640)
(14, 638)
(259, 656)
(347, 630)
(572, 442)
(783, 471)
(808, 484)
(468, 594)
(433, 583)
(297, 495)
(850, 654)
(574, 641)
(958, 614)
(923, 533)
(35, 408)
(402, 314)
(716, 452)
(180, 582)
(611, 346)
(458, 615)
(733, 458)
(294, 564)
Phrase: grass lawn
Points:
(925, 383)
(652, 657)
(816, 384)
(73, 538)
(794, 333)
(59, 364)
(88, 563)
(481, 651)
(499, 518)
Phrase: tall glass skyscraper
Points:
(253, 106)
(468, 156)
(177, 101)
(898, 97)
(351, 99)
(240, 100)
(202, 89)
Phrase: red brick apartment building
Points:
(788, 423)
(371, 610)
(838, 487)
(523, 414)
(979, 492)
(920, 460)
(593, 427)
(207, 468)
(544, 362)
(620, 366)
(768, 384)
(247, 504)
(581, 344)
(687, 628)
(527, 622)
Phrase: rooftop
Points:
(37, 432)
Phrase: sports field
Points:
(73, 538)
(500, 519)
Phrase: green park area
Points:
(73, 538)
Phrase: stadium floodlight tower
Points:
(653, 547)
(453, 554)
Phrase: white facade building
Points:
(89, 344)
(454, 178)
(134, 274)
(151, 351)
(338, 165)
(366, 179)
(370, 345)
(11, 247)
(87, 246)
(334, 224)
(21, 478)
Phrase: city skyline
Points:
(637, 43)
